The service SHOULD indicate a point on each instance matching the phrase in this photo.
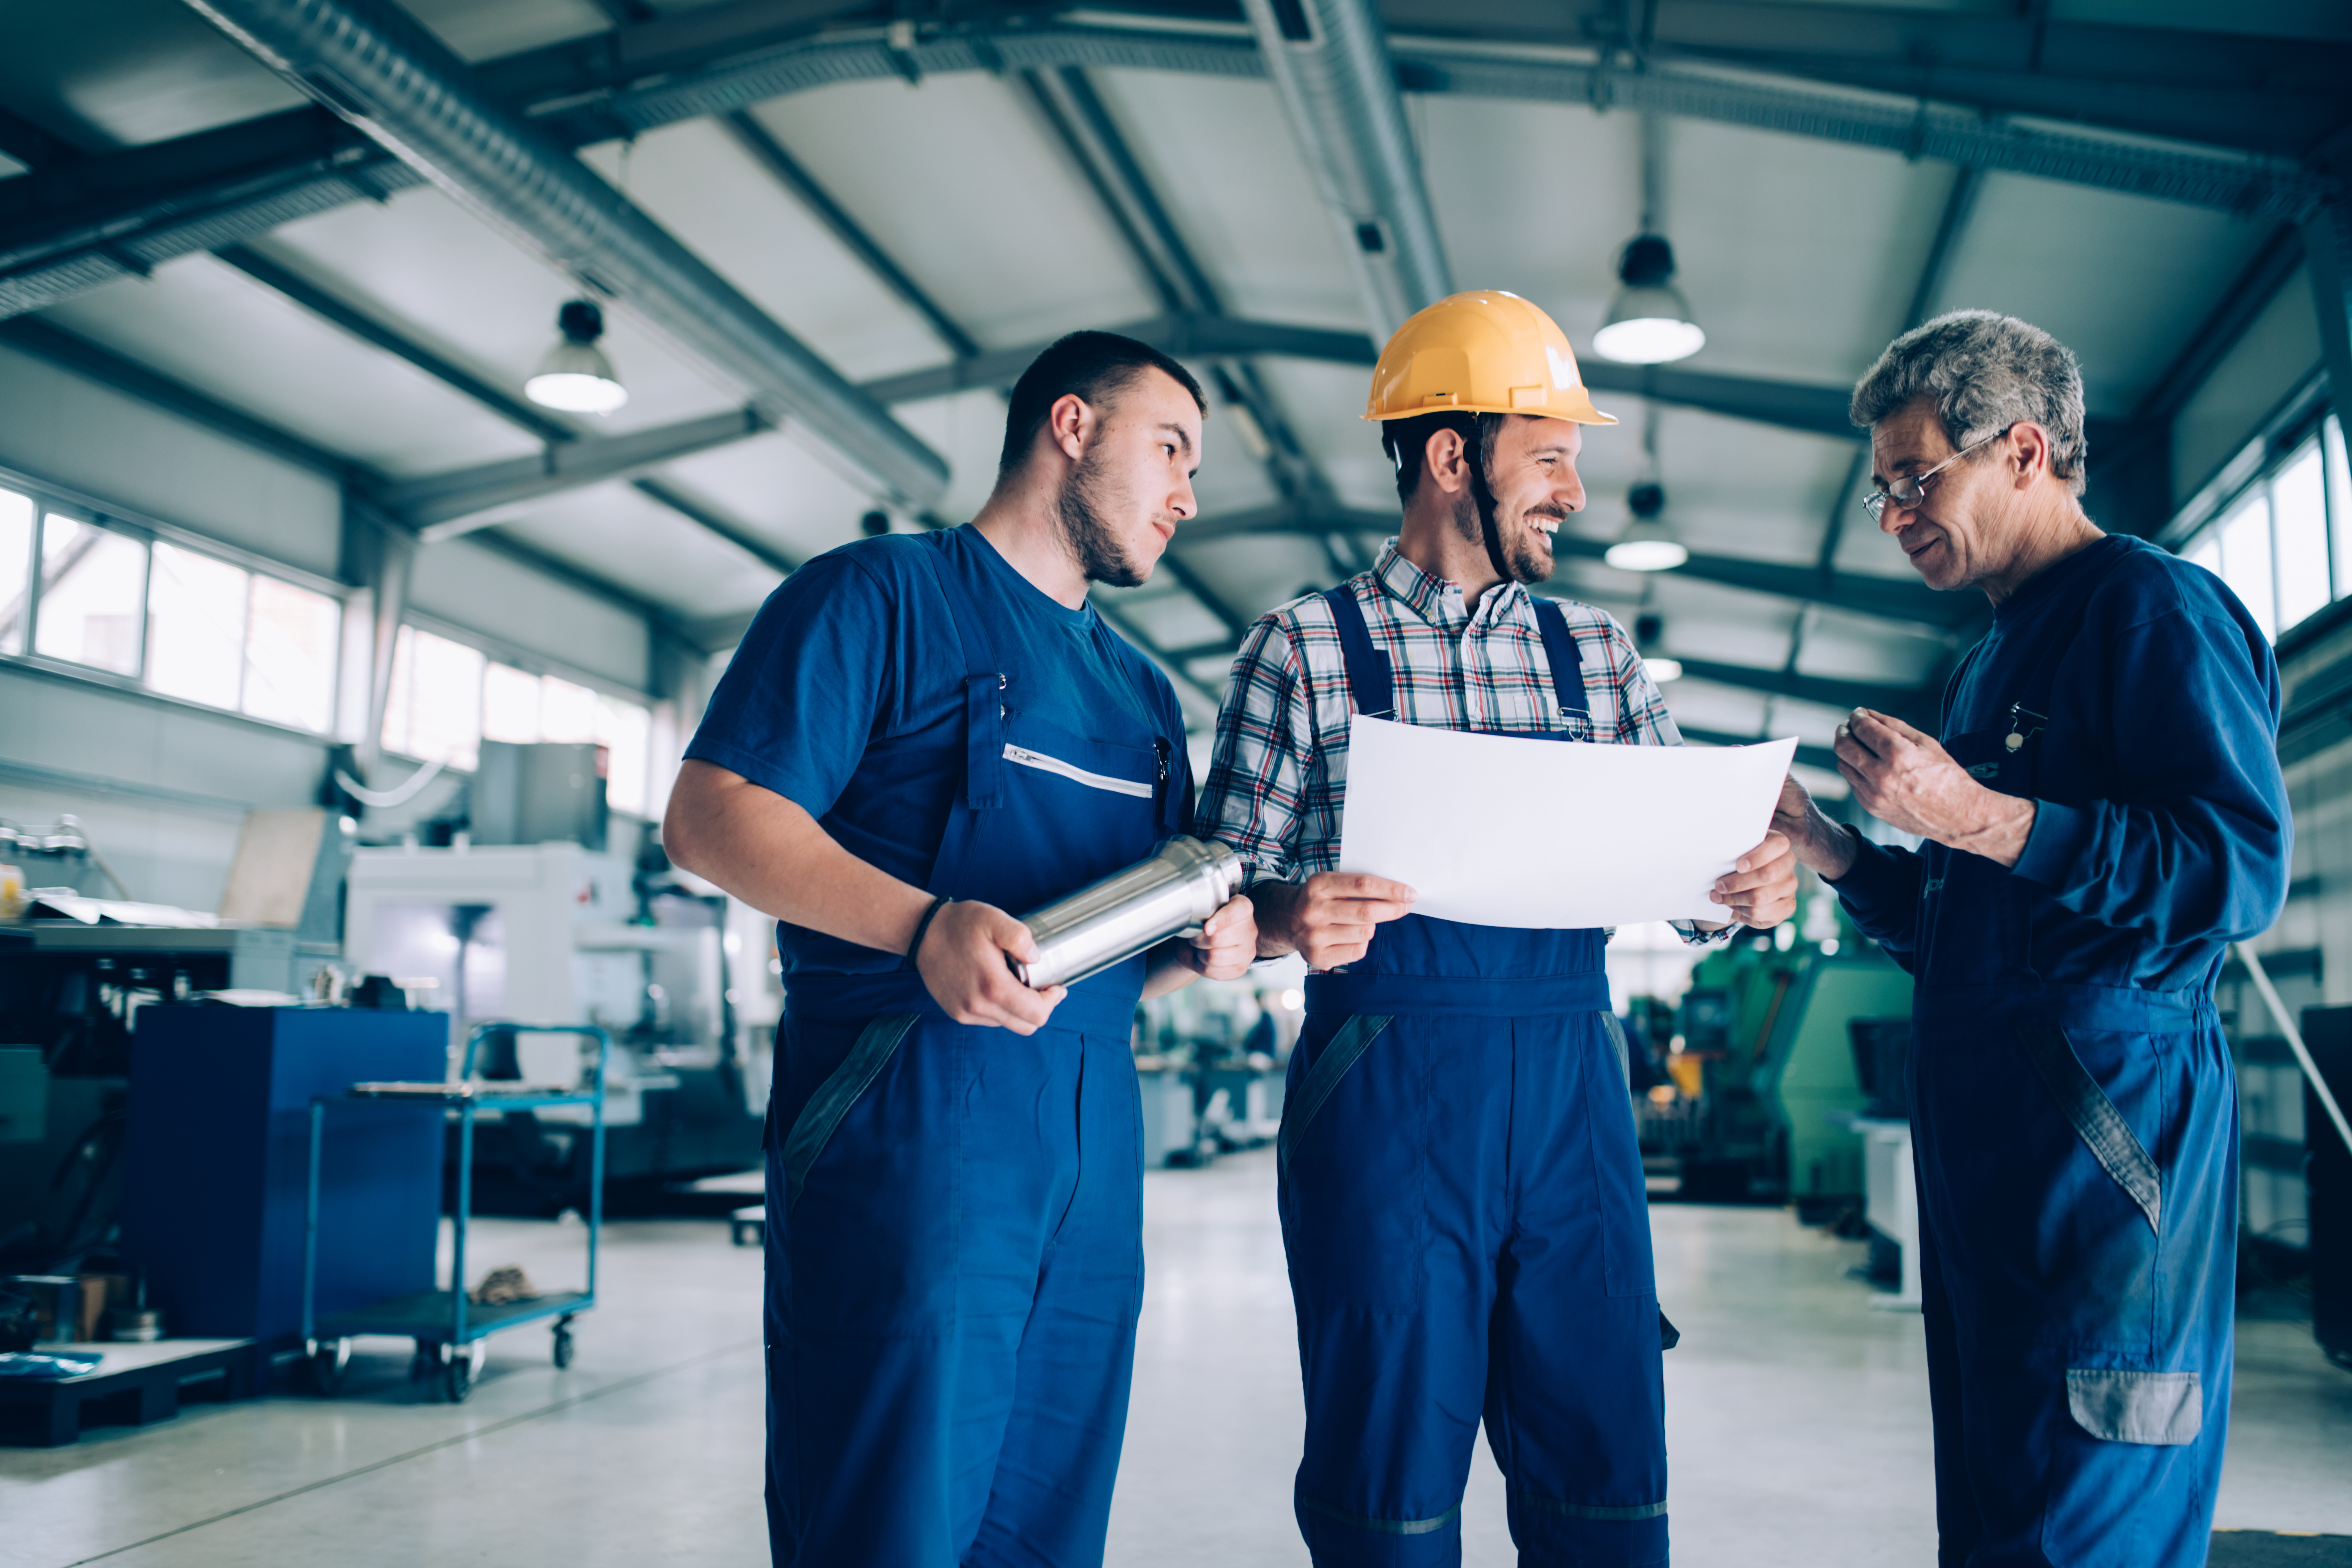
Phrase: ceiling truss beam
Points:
(787, 170)
(120, 214)
(1912, 603)
(443, 506)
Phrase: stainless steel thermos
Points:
(1172, 894)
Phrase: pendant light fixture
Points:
(1649, 321)
(1648, 627)
(1647, 545)
(575, 376)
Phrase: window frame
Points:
(496, 650)
(50, 499)
(2301, 426)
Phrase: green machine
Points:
(1772, 1029)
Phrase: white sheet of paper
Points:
(1509, 831)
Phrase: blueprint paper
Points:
(1510, 831)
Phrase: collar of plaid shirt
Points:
(1279, 776)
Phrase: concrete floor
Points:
(1797, 1421)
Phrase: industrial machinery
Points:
(1760, 1082)
(2327, 1031)
(556, 933)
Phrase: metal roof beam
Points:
(119, 214)
(381, 69)
(1790, 406)
(733, 530)
(443, 506)
(787, 170)
(338, 311)
(80, 222)
(95, 363)
(1910, 603)
(363, 484)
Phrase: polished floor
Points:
(1797, 1421)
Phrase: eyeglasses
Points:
(1909, 490)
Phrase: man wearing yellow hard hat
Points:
(1461, 1190)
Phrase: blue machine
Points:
(218, 1139)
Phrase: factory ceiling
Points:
(831, 232)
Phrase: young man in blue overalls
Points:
(1462, 1194)
(919, 738)
(2104, 815)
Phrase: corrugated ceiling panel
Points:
(213, 327)
(426, 260)
(697, 180)
(616, 532)
(956, 179)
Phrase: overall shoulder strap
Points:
(1559, 651)
(1372, 681)
(983, 684)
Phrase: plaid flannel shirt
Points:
(1278, 775)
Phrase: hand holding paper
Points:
(1501, 830)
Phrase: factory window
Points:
(2284, 546)
(16, 568)
(289, 654)
(447, 697)
(92, 580)
(434, 711)
(183, 621)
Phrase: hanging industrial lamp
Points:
(1647, 545)
(1649, 321)
(575, 376)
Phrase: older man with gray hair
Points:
(2103, 816)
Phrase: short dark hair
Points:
(1407, 443)
(1094, 367)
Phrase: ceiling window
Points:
(2285, 545)
(16, 568)
(92, 583)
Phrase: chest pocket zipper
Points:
(1026, 758)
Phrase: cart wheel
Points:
(563, 1343)
(329, 1360)
(463, 1368)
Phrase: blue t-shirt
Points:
(846, 698)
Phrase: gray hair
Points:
(1985, 371)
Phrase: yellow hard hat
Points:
(1482, 352)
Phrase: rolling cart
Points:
(449, 1327)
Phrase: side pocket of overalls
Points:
(1619, 1189)
(1354, 1137)
(2116, 1404)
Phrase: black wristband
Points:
(922, 927)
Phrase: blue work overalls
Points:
(954, 1216)
(1465, 1215)
(2076, 1142)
